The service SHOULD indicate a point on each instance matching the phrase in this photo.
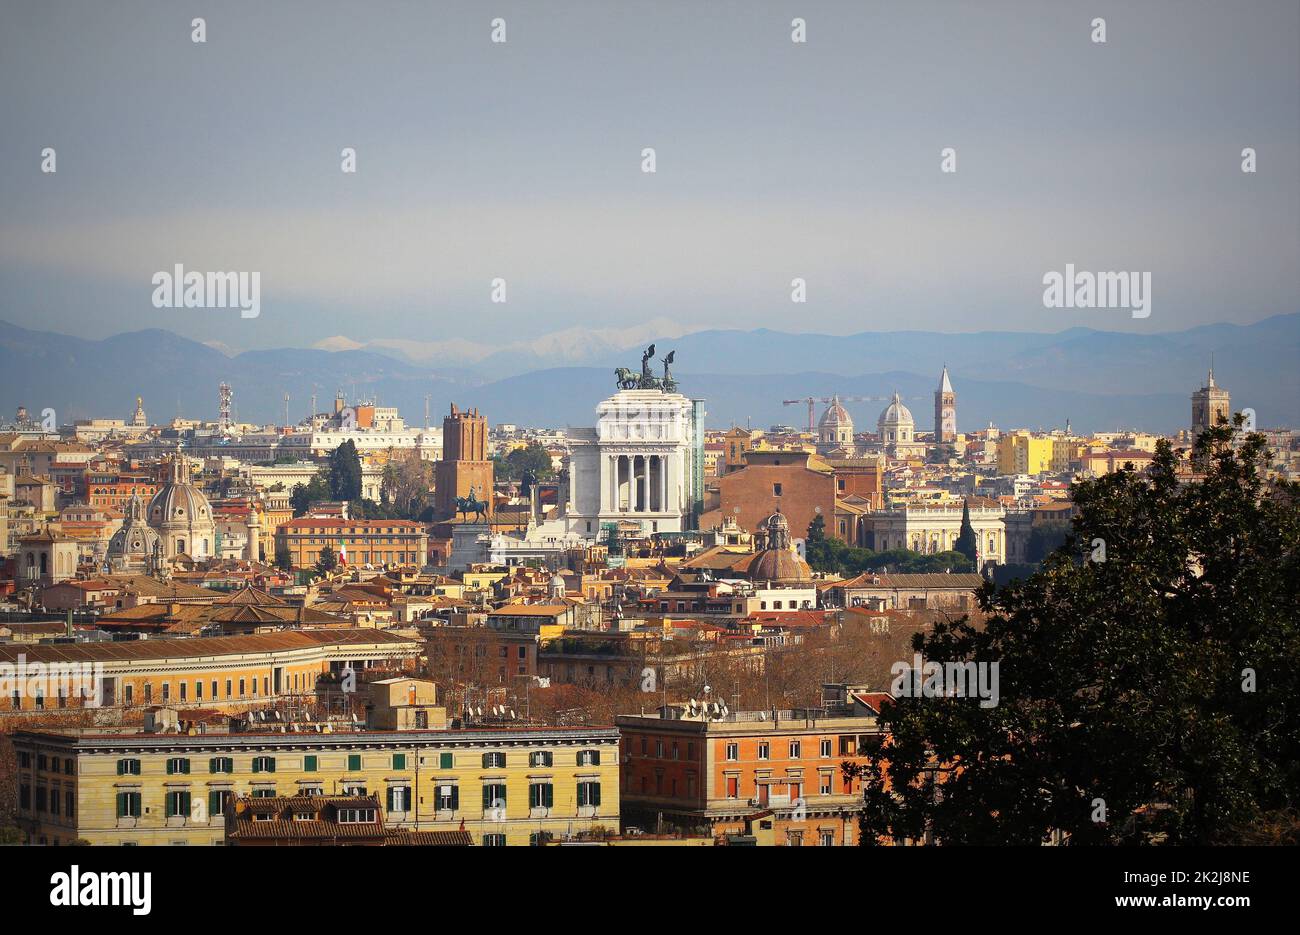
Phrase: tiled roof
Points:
(148, 650)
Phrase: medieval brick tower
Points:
(945, 412)
(464, 463)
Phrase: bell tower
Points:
(464, 461)
(945, 411)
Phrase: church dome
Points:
(134, 544)
(182, 516)
(836, 415)
(777, 562)
(896, 413)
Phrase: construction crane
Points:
(811, 402)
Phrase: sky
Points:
(522, 161)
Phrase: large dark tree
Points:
(1149, 675)
(345, 472)
(327, 561)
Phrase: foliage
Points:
(327, 561)
(831, 555)
(1150, 697)
(531, 458)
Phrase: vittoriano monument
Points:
(627, 379)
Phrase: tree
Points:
(966, 542)
(1148, 675)
(327, 561)
(317, 489)
(533, 458)
(283, 557)
(345, 472)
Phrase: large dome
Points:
(835, 415)
(182, 515)
(896, 413)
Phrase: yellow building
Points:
(226, 672)
(505, 786)
(1022, 453)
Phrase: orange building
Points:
(361, 541)
(793, 483)
(703, 769)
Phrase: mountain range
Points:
(1099, 380)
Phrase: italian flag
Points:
(343, 552)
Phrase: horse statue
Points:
(471, 504)
(626, 378)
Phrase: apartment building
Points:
(355, 541)
(700, 768)
(511, 786)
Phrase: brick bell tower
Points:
(464, 462)
(945, 412)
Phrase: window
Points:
(178, 765)
(795, 748)
(445, 760)
(541, 795)
(494, 797)
(128, 767)
(733, 751)
(178, 804)
(494, 760)
(589, 793)
(826, 838)
(217, 800)
(824, 787)
(448, 797)
(776, 490)
(128, 805)
(266, 792)
(399, 761)
(399, 798)
(356, 816)
(541, 758)
(764, 751)
(264, 764)
(826, 750)
(227, 689)
(591, 757)
(354, 762)
(494, 840)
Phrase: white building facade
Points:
(642, 463)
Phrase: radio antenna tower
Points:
(225, 395)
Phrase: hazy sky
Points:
(522, 160)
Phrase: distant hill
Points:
(1097, 379)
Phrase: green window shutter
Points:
(214, 803)
(309, 764)
(185, 803)
(487, 796)
(212, 764)
(354, 761)
(185, 766)
(121, 769)
(455, 798)
(391, 796)
(534, 795)
(548, 795)
(399, 761)
(171, 767)
(444, 761)
(270, 766)
(121, 798)
(257, 764)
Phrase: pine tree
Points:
(966, 543)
